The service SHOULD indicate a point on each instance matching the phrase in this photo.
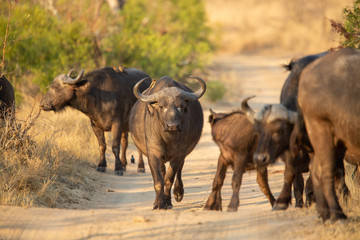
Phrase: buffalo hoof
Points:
(178, 197)
(280, 206)
(141, 170)
(119, 172)
(230, 209)
(164, 206)
(212, 205)
(212, 208)
(101, 169)
(299, 205)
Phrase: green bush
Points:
(215, 91)
(349, 29)
(160, 37)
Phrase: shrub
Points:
(349, 29)
(215, 91)
(160, 37)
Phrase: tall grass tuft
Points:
(34, 169)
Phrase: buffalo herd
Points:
(313, 128)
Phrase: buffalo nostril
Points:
(172, 127)
(260, 158)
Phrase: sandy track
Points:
(121, 208)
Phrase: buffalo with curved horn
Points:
(106, 97)
(166, 124)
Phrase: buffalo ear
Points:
(211, 118)
(152, 107)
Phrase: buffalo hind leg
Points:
(102, 147)
(141, 164)
(214, 200)
(262, 180)
(124, 145)
(116, 132)
(340, 185)
(239, 168)
(179, 186)
(323, 167)
(299, 190)
(309, 192)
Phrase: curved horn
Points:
(196, 95)
(70, 72)
(141, 97)
(247, 109)
(72, 81)
(292, 117)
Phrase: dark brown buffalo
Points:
(166, 124)
(275, 124)
(329, 98)
(7, 98)
(106, 97)
(237, 139)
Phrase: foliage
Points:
(349, 29)
(215, 91)
(160, 37)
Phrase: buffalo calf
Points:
(237, 139)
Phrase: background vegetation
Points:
(349, 28)
(160, 37)
(278, 27)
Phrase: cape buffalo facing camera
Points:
(106, 97)
(166, 123)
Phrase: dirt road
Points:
(121, 208)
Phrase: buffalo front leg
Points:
(116, 132)
(156, 171)
(262, 180)
(284, 199)
(124, 145)
(99, 133)
(214, 200)
(169, 179)
(179, 186)
(141, 165)
(239, 168)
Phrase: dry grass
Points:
(275, 26)
(341, 230)
(45, 160)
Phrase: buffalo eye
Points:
(277, 134)
(179, 109)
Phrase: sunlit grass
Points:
(44, 157)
